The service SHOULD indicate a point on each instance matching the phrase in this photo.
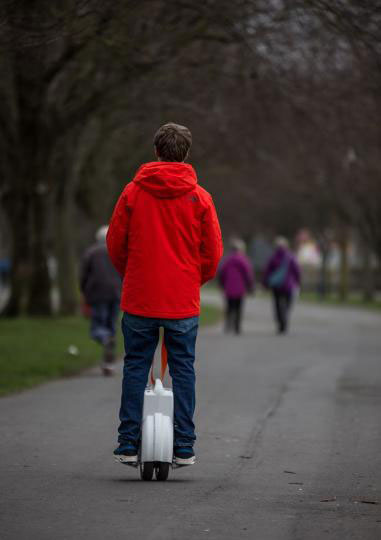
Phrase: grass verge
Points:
(209, 315)
(33, 351)
(353, 301)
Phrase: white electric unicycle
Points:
(156, 447)
(155, 453)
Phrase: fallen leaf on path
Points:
(289, 472)
(329, 499)
(365, 501)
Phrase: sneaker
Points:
(107, 370)
(184, 455)
(109, 351)
(126, 453)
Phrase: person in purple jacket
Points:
(282, 277)
(236, 278)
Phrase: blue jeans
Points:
(141, 336)
(103, 319)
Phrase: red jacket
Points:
(165, 240)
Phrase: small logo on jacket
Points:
(192, 198)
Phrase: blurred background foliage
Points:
(283, 99)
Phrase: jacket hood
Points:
(166, 180)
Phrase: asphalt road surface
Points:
(289, 443)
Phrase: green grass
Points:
(353, 300)
(33, 351)
(209, 315)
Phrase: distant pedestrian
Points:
(101, 287)
(282, 277)
(236, 278)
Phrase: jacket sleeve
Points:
(296, 270)
(221, 274)
(117, 235)
(270, 266)
(211, 243)
(250, 277)
(84, 271)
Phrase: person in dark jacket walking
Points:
(282, 276)
(236, 278)
(101, 286)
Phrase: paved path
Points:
(284, 424)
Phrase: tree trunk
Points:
(344, 267)
(17, 210)
(39, 300)
(323, 286)
(66, 258)
(367, 275)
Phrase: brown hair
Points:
(172, 142)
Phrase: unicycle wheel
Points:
(146, 470)
(161, 471)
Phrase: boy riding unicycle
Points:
(165, 241)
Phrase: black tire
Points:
(161, 471)
(146, 470)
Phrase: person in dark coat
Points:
(282, 277)
(101, 286)
(236, 278)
